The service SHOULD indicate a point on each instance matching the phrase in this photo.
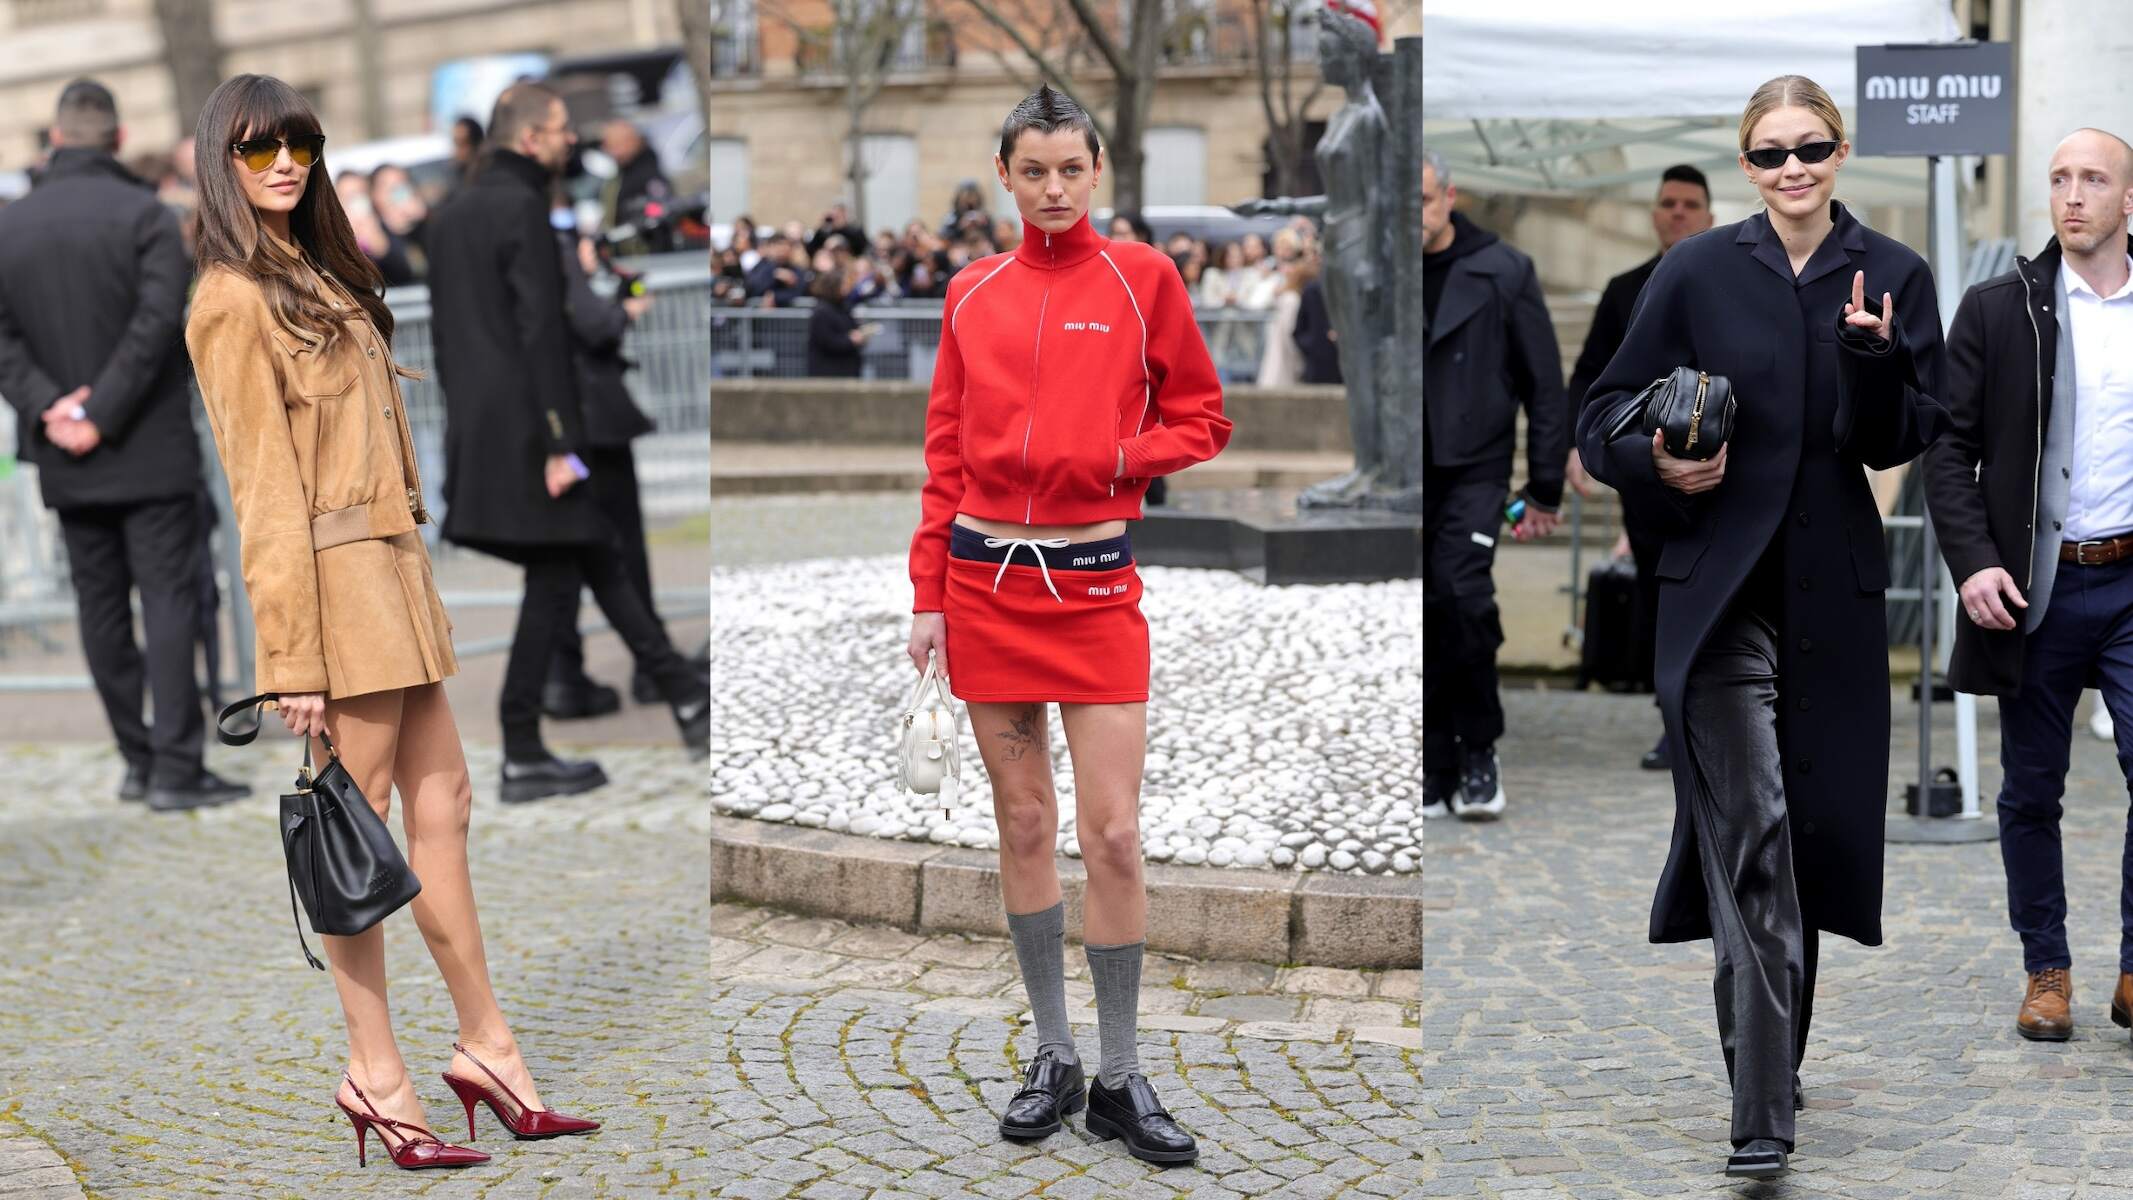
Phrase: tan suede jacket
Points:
(317, 452)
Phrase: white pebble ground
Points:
(1284, 723)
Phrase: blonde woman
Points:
(1774, 676)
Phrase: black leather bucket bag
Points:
(342, 861)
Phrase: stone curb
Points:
(1199, 912)
(31, 1170)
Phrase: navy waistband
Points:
(1106, 555)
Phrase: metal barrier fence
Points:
(669, 377)
(772, 342)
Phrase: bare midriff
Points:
(1096, 532)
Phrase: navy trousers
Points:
(2084, 640)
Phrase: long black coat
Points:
(93, 275)
(1981, 480)
(504, 358)
(1817, 403)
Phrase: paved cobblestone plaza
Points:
(859, 1061)
(1568, 1057)
(160, 1030)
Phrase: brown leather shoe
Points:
(2122, 1001)
(2047, 1007)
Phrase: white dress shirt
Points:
(2099, 499)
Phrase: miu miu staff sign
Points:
(1952, 98)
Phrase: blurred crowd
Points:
(389, 205)
(835, 267)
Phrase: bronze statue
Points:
(1363, 158)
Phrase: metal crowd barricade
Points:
(771, 343)
(670, 378)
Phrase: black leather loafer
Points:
(1759, 1159)
(1657, 758)
(1133, 1113)
(538, 778)
(1051, 1092)
(135, 785)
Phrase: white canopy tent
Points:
(1597, 98)
(1573, 96)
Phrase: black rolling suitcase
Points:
(1609, 654)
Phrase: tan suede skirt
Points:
(383, 624)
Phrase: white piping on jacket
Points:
(1147, 381)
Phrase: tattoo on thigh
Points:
(1021, 733)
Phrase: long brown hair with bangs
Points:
(231, 235)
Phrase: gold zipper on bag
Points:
(1703, 385)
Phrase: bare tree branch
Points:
(1056, 77)
(1105, 44)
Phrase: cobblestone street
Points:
(859, 1061)
(158, 1027)
(1567, 1057)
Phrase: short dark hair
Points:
(1047, 110)
(523, 105)
(86, 115)
(1684, 173)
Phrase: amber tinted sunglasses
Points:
(1770, 158)
(260, 153)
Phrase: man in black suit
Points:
(93, 276)
(1682, 209)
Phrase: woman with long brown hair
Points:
(292, 343)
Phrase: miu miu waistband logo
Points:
(1090, 560)
(1090, 326)
(1113, 590)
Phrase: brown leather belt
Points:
(2096, 553)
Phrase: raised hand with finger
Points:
(1858, 317)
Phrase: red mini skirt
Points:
(1011, 640)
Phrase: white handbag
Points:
(927, 762)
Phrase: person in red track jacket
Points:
(1071, 373)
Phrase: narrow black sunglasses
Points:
(259, 153)
(1770, 158)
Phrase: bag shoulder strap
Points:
(244, 737)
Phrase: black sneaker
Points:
(539, 778)
(1438, 787)
(1480, 794)
(576, 701)
(1132, 1112)
(695, 721)
(202, 791)
(1051, 1092)
(135, 785)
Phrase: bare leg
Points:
(365, 732)
(1015, 742)
(437, 799)
(1109, 744)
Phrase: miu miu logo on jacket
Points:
(1090, 326)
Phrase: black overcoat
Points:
(93, 275)
(1818, 402)
(504, 359)
(1982, 479)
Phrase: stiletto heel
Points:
(417, 1148)
(523, 1122)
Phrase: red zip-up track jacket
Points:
(1053, 360)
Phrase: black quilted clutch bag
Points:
(1693, 409)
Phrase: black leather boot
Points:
(1051, 1092)
(1132, 1112)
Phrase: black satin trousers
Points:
(1764, 986)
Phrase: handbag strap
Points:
(244, 737)
(929, 678)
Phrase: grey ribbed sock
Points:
(1040, 949)
(1116, 972)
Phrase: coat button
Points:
(1807, 765)
(1808, 828)
(388, 411)
(1803, 520)
(2055, 527)
(373, 351)
(1806, 645)
(1805, 582)
(1806, 704)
